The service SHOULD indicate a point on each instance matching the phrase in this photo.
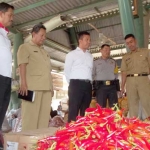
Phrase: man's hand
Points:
(23, 90)
(122, 92)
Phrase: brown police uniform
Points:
(38, 75)
(137, 67)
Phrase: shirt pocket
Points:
(142, 61)
(99, 67)
(129, 63)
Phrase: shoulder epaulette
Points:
(96, 58)
(112, 59)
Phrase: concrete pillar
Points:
(139, 25)
(146, 28)
(126, 17)
(18, 40)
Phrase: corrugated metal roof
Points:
(110, 27)
(23, 3)
(59, 36)
(100, 24)
(57, 64)
(60, 56)
(46, 10)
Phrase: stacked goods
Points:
(100, 129)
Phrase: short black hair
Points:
(80, 35)
(4, 7)
(128, 36)
(37, 28)
(105, 45)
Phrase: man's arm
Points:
(116, 70)
(93, 71)
(68, 66)
(23, 60)
(149, 60)
(123, 75)
(51, 80)
(123, 82)
(23, 85)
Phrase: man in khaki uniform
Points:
(35, 75)
(135, 69)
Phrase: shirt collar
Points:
(104, 59)
(135, 51)
(79, 49)
(2, 26)
(33, 44)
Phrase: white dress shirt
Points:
(78, 65)
(5, 54)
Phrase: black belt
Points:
(107, 82)
(84, 80)
(136, 75)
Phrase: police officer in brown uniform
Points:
(35, 75)
(135, 69)
(105, 73)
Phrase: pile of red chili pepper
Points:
(100, 129)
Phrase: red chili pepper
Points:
(100, 129)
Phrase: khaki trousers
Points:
(138, 92)
(36, 114)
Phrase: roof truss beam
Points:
(91, 18)
(32, 6)
(6, 1)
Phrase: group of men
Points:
(80, 71)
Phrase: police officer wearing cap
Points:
(135, 68)
(105, 73)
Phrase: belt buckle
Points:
(135, 75)
(107, 82)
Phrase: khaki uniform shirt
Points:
(104, 69)
(136, 62)
(38, 68)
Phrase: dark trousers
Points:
(5, 91)
(80, 95)
(107, 92)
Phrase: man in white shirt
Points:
(78, 72)
(6, 18)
